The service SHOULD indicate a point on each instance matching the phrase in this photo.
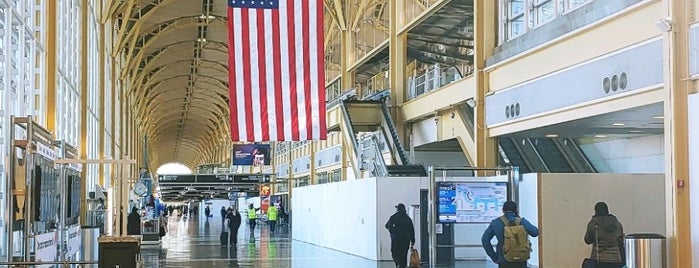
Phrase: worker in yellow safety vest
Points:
(252, 218)
(272, 217)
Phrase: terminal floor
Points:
(195, 243)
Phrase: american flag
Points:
(276, 70)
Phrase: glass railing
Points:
(434, 78)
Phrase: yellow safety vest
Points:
(252, 214)
(272, 213)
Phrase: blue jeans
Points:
(272, 224)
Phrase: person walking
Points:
(234, 220)
(508, 229)
(272, 217)
(224, 214)
(402, 232)
(133, 223)
(606, 235)
(252, 218)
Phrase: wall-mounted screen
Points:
(470, 202)
(251, 154)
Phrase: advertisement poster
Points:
(470, 202)
(74, 241)
(45, 247)
(251, 154)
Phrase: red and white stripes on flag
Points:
(276, 70)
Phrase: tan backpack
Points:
(516, 246)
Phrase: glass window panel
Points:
(572, 4)
(517, 26)
(516, 7)
(545, 13)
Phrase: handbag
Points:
(590, 262)
(414, 258)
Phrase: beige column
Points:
(676, 134)
(485, 36)
(398, 47)
(83, 103)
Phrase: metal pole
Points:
(29, 165)
(432, 218)
(64, 193)
(514, 184)
(9, 192)
(124, 206)
(117, 202)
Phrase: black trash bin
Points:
(119, 251)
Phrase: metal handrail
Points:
(381, 171)
(352, 142)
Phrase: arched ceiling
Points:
(175, 63)
(176, 66)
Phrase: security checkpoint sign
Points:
(74, 241)
(45, 247)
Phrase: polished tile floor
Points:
(194, 243)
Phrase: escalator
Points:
(555, 159)
(546, 155)
(371, 114)
(511, 156)
(348, 135)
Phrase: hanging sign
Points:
(45, 248)
(46, 151)
(74, 241)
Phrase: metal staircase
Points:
(371, 115)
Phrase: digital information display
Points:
(470, 202)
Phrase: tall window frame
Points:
(518, 17)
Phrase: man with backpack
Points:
(512, 233)
(400, 226)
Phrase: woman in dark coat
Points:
(233, 224)
(133, 225)
(606, 235)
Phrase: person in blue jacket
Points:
(497, 229)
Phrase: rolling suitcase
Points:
(224, 238)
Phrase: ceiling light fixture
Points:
(635, 131)
(204, 16)
(600, 136)
(658, 117)
(618, 124)
(201, 40)
(551, 135)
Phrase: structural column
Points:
(397, 57)
(51, 96)
(676, 134)
(83, 105)
(102, 87)
(485, 35)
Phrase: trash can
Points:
(119, 251)
(646, 251)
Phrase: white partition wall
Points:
(349, 216)
(340, 216)
(566, 204)
(391, 192)
(529, 209)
